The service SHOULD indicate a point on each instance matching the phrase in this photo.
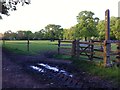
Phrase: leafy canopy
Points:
(86, 26)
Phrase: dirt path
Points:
(15, 74)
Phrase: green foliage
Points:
(54, 31)
(51, 31)
(69, 34)
(117, 31)
(10, 5)
(86, 26)
(9, 35)
(40, 34)
(101, 29)
(114, 28)
(24, 35)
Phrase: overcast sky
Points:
(62, 12)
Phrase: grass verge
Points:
(111, 74)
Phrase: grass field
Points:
(37, 47)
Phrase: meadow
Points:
(40, 46)
(36, 47)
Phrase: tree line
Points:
(88, 27)
(91, 27)
(51, 31)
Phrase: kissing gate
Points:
(89, 49)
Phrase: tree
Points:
(69, 34)
(24, 35)
(10, 5)
(101, 29)
(28, 34)
(9, 35)
(117, 31)
(54, 31)
(86, 26)
(40, 34)
(113, 27)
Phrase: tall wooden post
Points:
(107, 45)
(28, 46)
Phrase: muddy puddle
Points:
(44, 68)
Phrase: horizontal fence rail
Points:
(92, 49)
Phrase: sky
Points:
(40, 13)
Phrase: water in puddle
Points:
(37, 68)
(46, 66)
(49, 67)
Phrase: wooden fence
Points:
(92, 49)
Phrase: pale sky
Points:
(61, 12)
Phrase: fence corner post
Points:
(107, 45)
(106, 53)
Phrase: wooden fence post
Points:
(59, 46)
(73, 48)
(107, 39)
(28, 45)
(118, 55)
(91, 50)
(77, 49)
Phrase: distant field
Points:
(35, 46)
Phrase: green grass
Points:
(36, 47)
(91, 67)
(111, 74)
(94, 67)
(113, 46)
